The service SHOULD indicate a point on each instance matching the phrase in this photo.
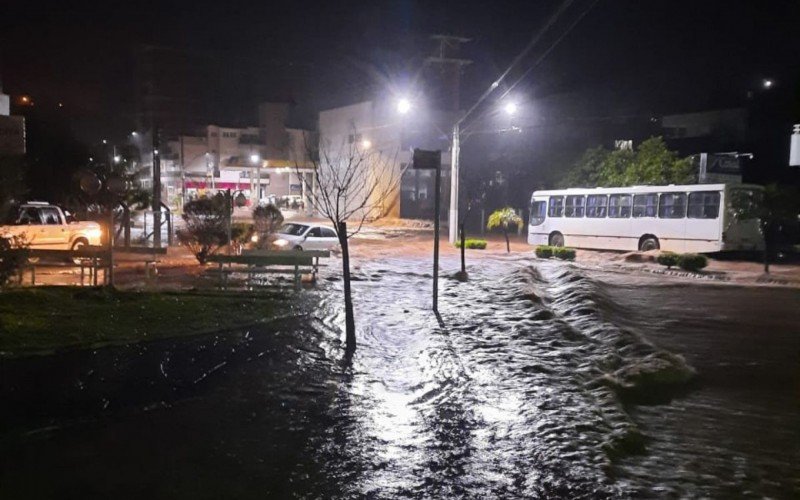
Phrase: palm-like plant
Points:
(503, 218)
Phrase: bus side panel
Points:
(703, 235)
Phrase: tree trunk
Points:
(349, 317)
(508, 245)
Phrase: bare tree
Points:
(351, 184)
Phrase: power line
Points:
(541, 57)
(563, 7)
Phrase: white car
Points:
(296, 236)
(41, 225)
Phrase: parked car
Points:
(44, 226)
(305, 237)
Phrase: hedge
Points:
(692, 261)
(686, 261)
(563, 253)
(544, 251)
(668, 259)
(472, 244)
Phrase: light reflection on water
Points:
(503, 401)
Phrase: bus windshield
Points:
(538, 211)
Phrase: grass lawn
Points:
(48, 318)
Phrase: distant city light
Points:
(25, 99)
(117, 159)
(768, 83)
(403, 106)
(105, 141)
(134, 134)
(91, 159)
(510, 108)
(155, 152)
(254, 158)
(61, 105)
(366, 144)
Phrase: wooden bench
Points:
(89, 259)
(294, 262)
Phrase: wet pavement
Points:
(542, 380)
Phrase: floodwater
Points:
(541, 380)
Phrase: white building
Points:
(12, 128)
(258, 164)
(376, 125)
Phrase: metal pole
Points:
(455, 152)
(437, 209)
(111, 247)
(229, 200)
(156, 190)
(183, 178)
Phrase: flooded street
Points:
(540, 380)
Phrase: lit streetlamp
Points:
(255, 159)
(403, 106)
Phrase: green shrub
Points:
(692, 261)
(472, 244)
(564, 253)
(668, 259)
(544, 251)
(241, 232)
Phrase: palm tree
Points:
(503, 218)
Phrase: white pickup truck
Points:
(44, 226)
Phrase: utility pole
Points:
(156, 189)
(446, 58)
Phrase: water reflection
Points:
(519, 392)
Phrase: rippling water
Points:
(539, 382)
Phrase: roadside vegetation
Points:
(51, 318)
(650, 163)
(561, 253)
(472, 244)
(687, 261)
(504, 218)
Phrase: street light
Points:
(117, 158)
(510, 108)
(403, 106)
(768, 83)
(255, 159)
(366, 144)
(134, 134)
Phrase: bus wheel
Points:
(648, 242)
(556, 240)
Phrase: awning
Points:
(217, 185)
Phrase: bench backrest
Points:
(280, 253)
(264, 260)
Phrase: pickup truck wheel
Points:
(77, 245)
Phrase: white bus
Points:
(690, 218)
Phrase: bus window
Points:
(556, 206)
(596, 205)
(645, 205)
(538, 211)
(672, 206)
(574, 206)
(619, 206)
(703, 205)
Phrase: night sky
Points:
(660, 56)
